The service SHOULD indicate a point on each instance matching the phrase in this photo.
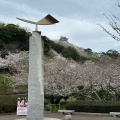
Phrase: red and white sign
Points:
(22, 106)
(21, 110)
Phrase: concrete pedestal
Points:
(35, 80)
(68, 117)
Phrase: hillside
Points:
(67, 68)
(14, 38)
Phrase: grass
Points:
(22, 88)
(5, 83)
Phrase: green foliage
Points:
(91, 56)
(94, 107)
(68, 52)
(58, 48)
(5, 83)
(4, 53)
(8, 103)
(46, 44)
(14, 34)
(104, 95)
(80, 87)
(88, 50)
(21, 88)
(2, 25)
(112, 53)
(46, 107)
(81, 94)
(2, 45)
(53, 99)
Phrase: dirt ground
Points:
(75, 116)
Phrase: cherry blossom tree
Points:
(114, 24)
(62, 77)
(17, 65)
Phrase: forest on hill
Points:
(14, 38)
(67, 69)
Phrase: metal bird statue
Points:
(47, 20)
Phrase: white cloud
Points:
(78, 20)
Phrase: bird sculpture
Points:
(47, 20)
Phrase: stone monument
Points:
(35, 81)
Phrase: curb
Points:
(97, 114)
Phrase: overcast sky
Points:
(77, 20)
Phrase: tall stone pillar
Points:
(35, 81)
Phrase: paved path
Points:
(75, 116)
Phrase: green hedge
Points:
(8, 104)
(94, 107)
(7, 108)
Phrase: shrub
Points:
(53, 99)
(70, 52)
(8, 108)
(8, 104)
(13, 34)
(112, 53)
(94, 107)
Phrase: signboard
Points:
(22, 103)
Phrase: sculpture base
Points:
(43, 119)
